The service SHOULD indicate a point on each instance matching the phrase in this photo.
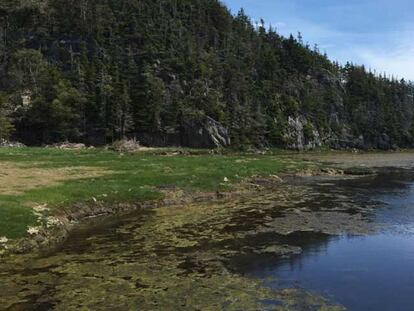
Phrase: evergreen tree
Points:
(101, 70)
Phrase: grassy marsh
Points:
(33, 177)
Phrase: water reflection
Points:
(361, 273)
(374, 272)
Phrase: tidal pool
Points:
(316, 245)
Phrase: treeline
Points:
(96, 71)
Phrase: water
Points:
(374, 272)
(217, 256)
(361, 273)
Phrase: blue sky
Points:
(377, 33)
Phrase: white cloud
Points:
(400, 64)
(387, 49)
(390, 52)
(395, 56)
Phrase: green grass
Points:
(132, 178)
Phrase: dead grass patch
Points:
(15, 180)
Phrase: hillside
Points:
(184, 73)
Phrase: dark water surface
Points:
(361, 273)
(374, 272)
(238, 255)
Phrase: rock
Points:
(384, 142)
(206, 133)
(8, 144)
(67, 145)
(277, 178)
(332, 172)
(359, 143)
(301, 134)
(33, 230)
(125, 145)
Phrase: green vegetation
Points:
(60, 178)
(98, 70)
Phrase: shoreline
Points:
(338, 165)
(213, 234)
(47, 238)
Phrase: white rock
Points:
(33, 230)
(41, 208)
(52, 222)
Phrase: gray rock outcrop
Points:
(206, 133)
(302, 135)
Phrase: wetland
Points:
(308, 243)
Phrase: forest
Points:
(164, 71)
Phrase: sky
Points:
(376, 33)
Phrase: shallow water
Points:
(246, 254)
(361, 273)
(374, 272)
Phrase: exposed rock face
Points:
(384, 142)
(302, 135)
(207, 133)
(302, 130)
(294, 135)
